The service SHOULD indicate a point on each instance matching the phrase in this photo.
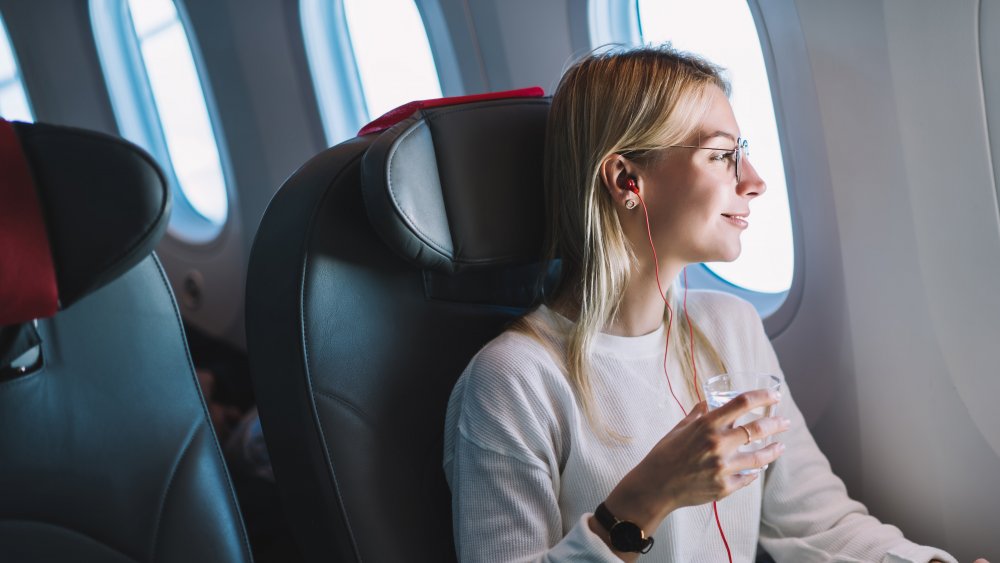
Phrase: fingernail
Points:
(786, 422)
(776, 395)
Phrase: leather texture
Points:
(460, 188)
(99, 223)
(357, 328)
(106, 451)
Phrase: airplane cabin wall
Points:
(902, 108)
(503, 45)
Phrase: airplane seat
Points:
(106, 449)
(378, 270)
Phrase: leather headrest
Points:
(459, 188)
(103, 205)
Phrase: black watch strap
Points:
(625, 536)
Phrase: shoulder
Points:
(512, 350)
(512, 399)
(515, 366)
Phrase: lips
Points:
(737, 219)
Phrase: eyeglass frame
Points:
(740, 151)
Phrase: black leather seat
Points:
(378, 270)
(106, 450)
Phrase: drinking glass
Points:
(720, 389)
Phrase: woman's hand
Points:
(698, 461)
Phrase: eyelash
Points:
(723, 156)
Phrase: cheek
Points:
(712, 204)
(696, 207)
(684, 207)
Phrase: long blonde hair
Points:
(616, 102)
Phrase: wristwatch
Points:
(625, 536)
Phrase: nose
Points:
(751, 184)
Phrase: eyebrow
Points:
(719, 133)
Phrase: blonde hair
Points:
(616, 102)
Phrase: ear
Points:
(615, 173)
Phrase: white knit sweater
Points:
(526, 470)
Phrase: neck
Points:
(642, 309)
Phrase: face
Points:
(697, 210)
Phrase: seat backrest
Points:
(379, 269)
(106, 450)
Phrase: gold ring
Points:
(749, 437)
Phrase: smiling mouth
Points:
(738, 219)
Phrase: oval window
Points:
(766, 264)
(160, 104)
(364, 63)
(393, 54)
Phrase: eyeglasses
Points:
(737, 154)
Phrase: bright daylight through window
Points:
(392, 53)
(766, 264)
(180, 102)
(13, 101)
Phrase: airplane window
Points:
(13, 100)
(364, 63)
(160, 104)
(766, 264)
(393, 54)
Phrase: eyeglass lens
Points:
(742, 150)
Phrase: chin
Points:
(729, 255)
(722, 251)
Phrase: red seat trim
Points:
(394, 116)
(28, 287)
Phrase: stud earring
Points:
(630, 204)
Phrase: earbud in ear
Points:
(631, 186)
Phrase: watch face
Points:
(626, 536)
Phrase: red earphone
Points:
(631, 186)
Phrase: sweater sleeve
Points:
(807, 515)
(503, 451)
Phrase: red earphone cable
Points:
(666, 348)
(670, 311)
(718, 524)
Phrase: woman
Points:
(580, 432)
